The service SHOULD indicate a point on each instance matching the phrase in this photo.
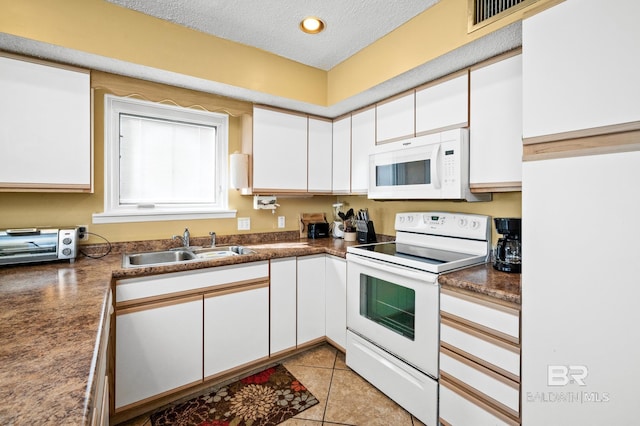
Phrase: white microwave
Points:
(430, 167)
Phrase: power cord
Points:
(99, 256)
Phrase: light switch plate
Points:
(244, 223)
(281, 222)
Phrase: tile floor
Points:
(344, 397)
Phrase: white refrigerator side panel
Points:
(580, 292)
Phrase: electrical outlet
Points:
(244, 223)
(83, 232)
(281, 222)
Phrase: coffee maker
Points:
(508, 256)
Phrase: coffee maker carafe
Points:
(508, 256)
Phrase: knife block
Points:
(365, 232)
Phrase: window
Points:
(163, 162)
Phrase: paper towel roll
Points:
(239, 170)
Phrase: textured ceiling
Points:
(272, 25)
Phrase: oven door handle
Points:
(397, 269)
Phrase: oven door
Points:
(396, 308)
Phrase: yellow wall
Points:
(105, 29)
(382, 213)
(99, 27)
(102, 28)
(439, 30)
(53, 209)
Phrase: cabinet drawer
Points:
(144, 289)
(497, 389)
(493, 318)
(484, 349)
(459, 408)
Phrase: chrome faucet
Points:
(185, 237)
(213, 238)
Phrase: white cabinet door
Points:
(320, 155)
(579, 69)
(45, 137)
(363, 140)
(496, 125)
(443, 106)
(158, 349)
(283, 304)
(279, 151)
(236, 328)
(336, 300)
(396, 118)
(342, 155)
(311, 298)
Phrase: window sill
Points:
(156, 216)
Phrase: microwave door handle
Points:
(435, 169)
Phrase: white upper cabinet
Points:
(320, 155)
(363, 141)
(496, 126)
(580, 66)
(396, 118)
(45, 137)
(443, 105)
(279, 151)
(342, 155)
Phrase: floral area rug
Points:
(263, 399)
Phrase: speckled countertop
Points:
(51, 321)
(484, 279)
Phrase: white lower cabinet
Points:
(100, 409)
(336, 300)
(158, 349)
(236, 328)
(311, 298)
(479, 361)
(175, 330)
(283, 304)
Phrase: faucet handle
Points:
(213, 238)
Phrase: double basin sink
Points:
(181, 255)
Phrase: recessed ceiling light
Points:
(312, 25)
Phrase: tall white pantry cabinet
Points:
(580, 214)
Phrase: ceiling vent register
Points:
(484, 12)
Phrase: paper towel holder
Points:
(239, 170)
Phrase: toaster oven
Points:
(38, 245)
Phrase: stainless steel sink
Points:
(214, 252)
(166, 257)
(157, 258)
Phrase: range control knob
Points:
(475, 224)
(462, 222)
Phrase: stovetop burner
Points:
(433, 242)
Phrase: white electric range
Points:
(393, 302)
